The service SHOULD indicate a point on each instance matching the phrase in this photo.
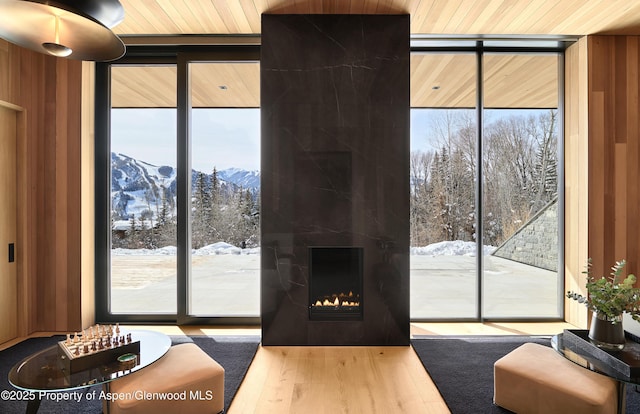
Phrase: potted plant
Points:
(608, 298)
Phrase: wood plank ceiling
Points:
(437, 80)
(454, 17)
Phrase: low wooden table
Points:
(42, 372)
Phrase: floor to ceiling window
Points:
(225, 213)
(520, 219)
(177, 180)
(486, 172)
(143, 172)
(443, 176)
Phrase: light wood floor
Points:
(356, 379)
(350, 380)
(337, 380)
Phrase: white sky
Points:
(223, 138)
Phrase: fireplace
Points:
(335, 285)
(334, 194)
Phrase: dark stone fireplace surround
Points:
(335, 171)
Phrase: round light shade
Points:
(108, 12)
(60, 29)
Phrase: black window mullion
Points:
(479, 186)
(183, 187)
(102, 149)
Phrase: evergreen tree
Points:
(215, 187)
(215, 222)
(438, 195)
(249, 218)
(201, 212)
(420, 165)
(132, 236)
(164, 233)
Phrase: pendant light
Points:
(75, 29)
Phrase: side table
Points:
(623, 366)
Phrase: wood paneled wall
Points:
(602, 137)
(614, 151)
(88, 170)
(576, 171)
(48, 250)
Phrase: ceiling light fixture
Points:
(73, 28)
(56, 48)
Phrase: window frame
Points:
(181, 56)
(558, 48)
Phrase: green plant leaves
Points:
(611, 296)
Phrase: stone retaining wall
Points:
(536, 242)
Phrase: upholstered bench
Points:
(194, 381)
(534, 378)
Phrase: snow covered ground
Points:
(450, 248)
(225, 280)
(445, 248)
(212, 249)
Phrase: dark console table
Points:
(623, 365)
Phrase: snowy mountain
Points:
(137, 186)
(243, 178)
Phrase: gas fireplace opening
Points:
(335, 286)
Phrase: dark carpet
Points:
(234, 353)
(462, 369)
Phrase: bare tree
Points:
(546, 163)
(519, 166)
(420, 165)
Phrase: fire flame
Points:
(338, 300)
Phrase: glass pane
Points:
(143, 185)
(443, 81)
(225, 219)
(520, 81)
(520, 193)
(443, 163)
(443, 246)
